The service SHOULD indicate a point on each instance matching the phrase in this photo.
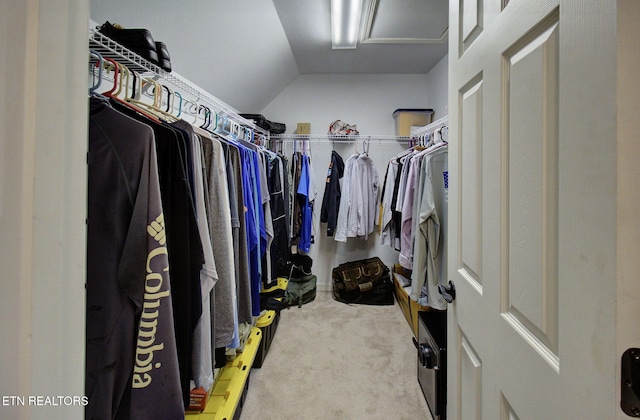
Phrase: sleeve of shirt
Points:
(356, 211)
(155, 373)
(406, 254)
(385, 208)
(375, 188)
(427, 240)
(345, 202)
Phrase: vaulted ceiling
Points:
(400, 36)
(246, 52)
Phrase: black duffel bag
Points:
(277, 128)
(366, 282)
(270, 126)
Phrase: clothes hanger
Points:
(124, 72)
(99, 64)
(436, 144)
(156, 92)
(235, 130)
(420, 146)
(169, 98)
(235, 135)
(179, 95)
(134, 85)
(204, 119)
(432, 138)
(154, 108)
(110, 93)
(218, 121)
(242, 133)
(208, 116)
(193, 108)
(246, 136)
(445, 129)
(213, 122)
(116, 72)
(224, 127)
(219, 129)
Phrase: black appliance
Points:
(432, 360)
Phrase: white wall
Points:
(437, 88)
(247, 59)
(369, 102)
(366, 100)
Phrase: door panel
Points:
(530, 285)
(470, 216)
(470, 22)
(507, 411)
(470, 380)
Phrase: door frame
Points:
(43, 204)
(628, 179)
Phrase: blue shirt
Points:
(307, 211)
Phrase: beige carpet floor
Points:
(329, 360)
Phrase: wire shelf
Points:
(108, 48)
(321, 138)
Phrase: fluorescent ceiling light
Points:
(345, 23)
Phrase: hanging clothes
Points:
(254, 217)
(268, 220)
(186, 221)
(303, 193)
(414, 212)
(368, 205)
(412, 163)
(332, 193)
(398, 196)
(185, 246)
(218, 214)
(387, 226)
(296, 211)
(430, 254)
(392, 200)
(239, 231)
(306, 196)
(279, 254)
(202, 358)
(359, 201)
(129, 324)
(286, 189)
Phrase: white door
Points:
(532, 240)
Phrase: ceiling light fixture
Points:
(345, 23)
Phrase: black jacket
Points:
(331, 198)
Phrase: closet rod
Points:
(108, 48)
(430, 128)
(329, 138)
